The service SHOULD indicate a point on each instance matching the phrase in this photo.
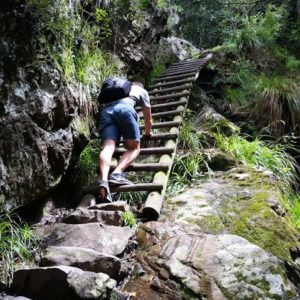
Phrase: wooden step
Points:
(170, 96)
(163, 125)
(172, 89)
(185, 66)
(172, 82)
(175, 77)
(160, 136)
(151, 167)
(148, 151)
(186, 62)
(165, 105)
(165, 114)
(139, 187)
(172, 73)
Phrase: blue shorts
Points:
(118, 120)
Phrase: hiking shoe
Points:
(104, 192)
(119, 179)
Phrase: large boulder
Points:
(176, 265)
(243, 201)
(62, 282)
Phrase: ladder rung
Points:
(148, 151)
(172, 82)
(185, 67)
(166, 74)
(165, 114)
(170, 96)
(163, 125)
(147, 167)
(158, 136)
(164, 105)
(185, 62)
(139, 187)
(175, 77)
(172, 89)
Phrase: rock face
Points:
(62, 282)
(36, 110)
(177, 265)
(173, 49)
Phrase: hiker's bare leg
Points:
(105, 158)
(132, 152)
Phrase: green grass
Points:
(88, 161)
(17, 244)
(279, 96)
(262, 154)
(295, 211)
(128, 219)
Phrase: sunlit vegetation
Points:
(18, 242)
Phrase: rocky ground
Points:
(228, 236)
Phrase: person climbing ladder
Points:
(119, 118)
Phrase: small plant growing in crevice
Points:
(128, 219)
(18, 242)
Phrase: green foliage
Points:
(190, 166)
(88, 162)
(279, 96)
(295, 210)
(273, 157)
(157, 69)
(72, 37)
(17, 243)
(128, 218)
(258, 31)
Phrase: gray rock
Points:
(205, 266)
(62, 282)
(110, 240)
(84, 259)
(218, 160)
(13, 298)
(172, 49)
(84, 215)
(115, 206)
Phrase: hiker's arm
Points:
(148, 120)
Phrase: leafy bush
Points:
(17, 243)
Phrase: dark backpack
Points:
(114, 88)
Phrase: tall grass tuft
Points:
(88, 162)
(17, 243)
(259, 153)
(278, 104)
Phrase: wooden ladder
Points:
(169, 97)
